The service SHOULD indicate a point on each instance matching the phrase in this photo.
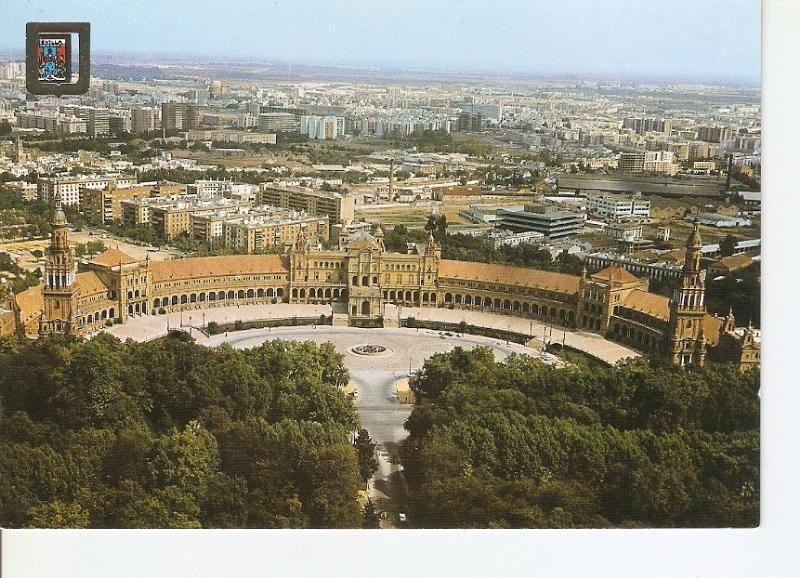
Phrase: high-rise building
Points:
(119, 123)
(97, 120)
(143, 119)
(660, 162)
(471, 122)
(322, 127)
(179, 116)
(19, 155)
(277, 122)
(643, 125)
(631, 162)
(216, 88)
(490, 111)
(714, 134)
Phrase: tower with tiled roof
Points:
(60, 291)
(687, 342)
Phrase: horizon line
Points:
(406, 69)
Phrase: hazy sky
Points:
(693, 39)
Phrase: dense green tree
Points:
(169, 434)
(727, 246)
(365, 448)
(57, 514)
(522, 444)
(739, 290)
(371, 516)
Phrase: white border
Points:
(765, 552)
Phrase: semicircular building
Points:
(364, 277)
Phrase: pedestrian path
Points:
(147, 327)
(590, 343)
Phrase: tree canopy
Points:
(170, 434)
(522, 444)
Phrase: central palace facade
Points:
(81, 298)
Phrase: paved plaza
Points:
(408, 348)
(591, 343)
(146, 327)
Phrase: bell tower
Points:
(687, 309)
(60, 292)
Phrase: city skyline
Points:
(408, 37)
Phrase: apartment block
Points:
(339, 208)
(70, 187)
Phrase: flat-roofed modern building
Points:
(234, 136)
(143, 119)
(339, 208)
(179, 116)
(618, 206)
(277, 122)
(104, 205)
(631, 162)
(549, 220)
(257, 232)
(69, 188)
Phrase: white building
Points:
(69, 187)
(618, 206)
(716, 220)
(625, 232)
(503, 238)
(660, 162)
(322, 127)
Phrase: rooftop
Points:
(113, 257)
(508, 275)
(201, 267)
